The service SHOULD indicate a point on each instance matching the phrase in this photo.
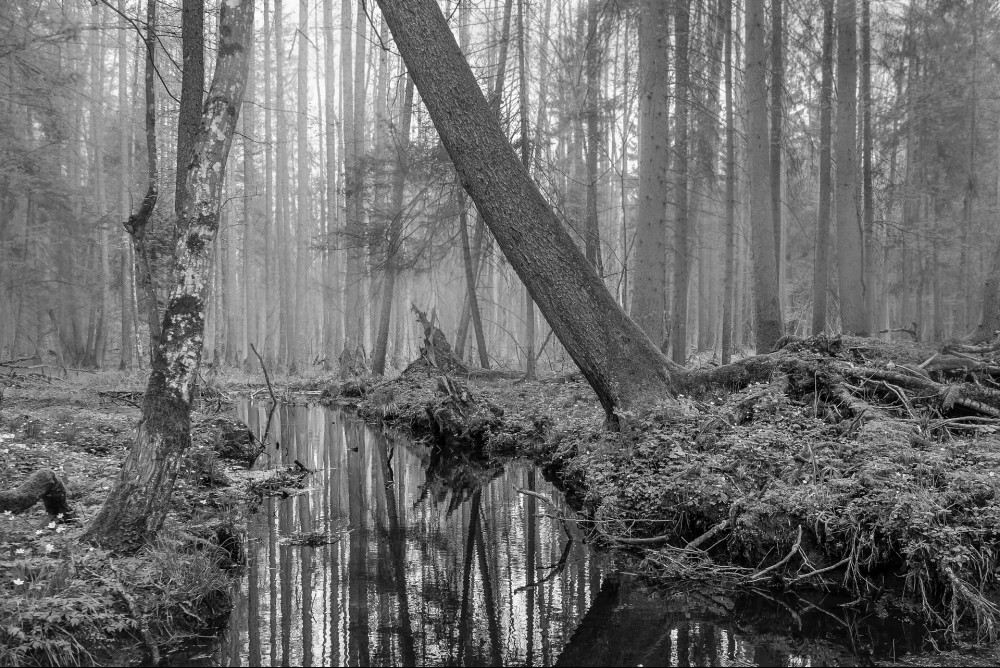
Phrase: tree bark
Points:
(867, 187)
(137, 506)
(728, 288)
(777, 91)
(124, 141)
(592, 235)
(850, 243)
(192, 91)
(353, 310)
(302, 205)
(330, 327)
(529, 306)
(622, 365)
(767, 312)
(682, 222)
(269, 293)
(649, 299)
(286, 294)
(821, 266)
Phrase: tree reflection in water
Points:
(437, 564)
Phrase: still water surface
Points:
(436, 565)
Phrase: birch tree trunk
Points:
(137, 506)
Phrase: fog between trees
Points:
(341, 208)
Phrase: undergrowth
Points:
(862, 511)
(65, 603)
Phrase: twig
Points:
(267, 378)
(791, 553)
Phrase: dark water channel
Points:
(421, 574)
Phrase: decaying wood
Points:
(42, 485)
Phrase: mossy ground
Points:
(66, 602)
(798, 494)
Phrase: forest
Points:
(727, 274)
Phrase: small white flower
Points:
(39, 532)
(7, 513)
(60, 529)
(19, 550)
(18, 581)
(49, 547)
(51, 525)
(60, 516)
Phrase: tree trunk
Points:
(286, 304)
(592, 235)
(821, 266)
(867, 188)
(682, 223)
(192, 91)
(777, 90)
(124, 141)
(97, 182)
(248, 329)
(649, 299)
(353, 309)
(395, 230)
(136, 226)
(330, 338)
(767, 313)
(622, 365)
(850, 249)
(728, 288)
(302, 207)
(529, 306)
(137, 506)
(269, 295)
(360, 160)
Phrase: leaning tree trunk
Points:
(136, 508)
(619, 361)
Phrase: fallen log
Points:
(42, 485)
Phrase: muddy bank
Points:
(804, 481)
(63, 602)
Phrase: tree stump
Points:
(42, 485)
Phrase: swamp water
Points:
(435, 565)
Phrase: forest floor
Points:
(63, 602)
(855, 466)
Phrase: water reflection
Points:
(431, 570)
